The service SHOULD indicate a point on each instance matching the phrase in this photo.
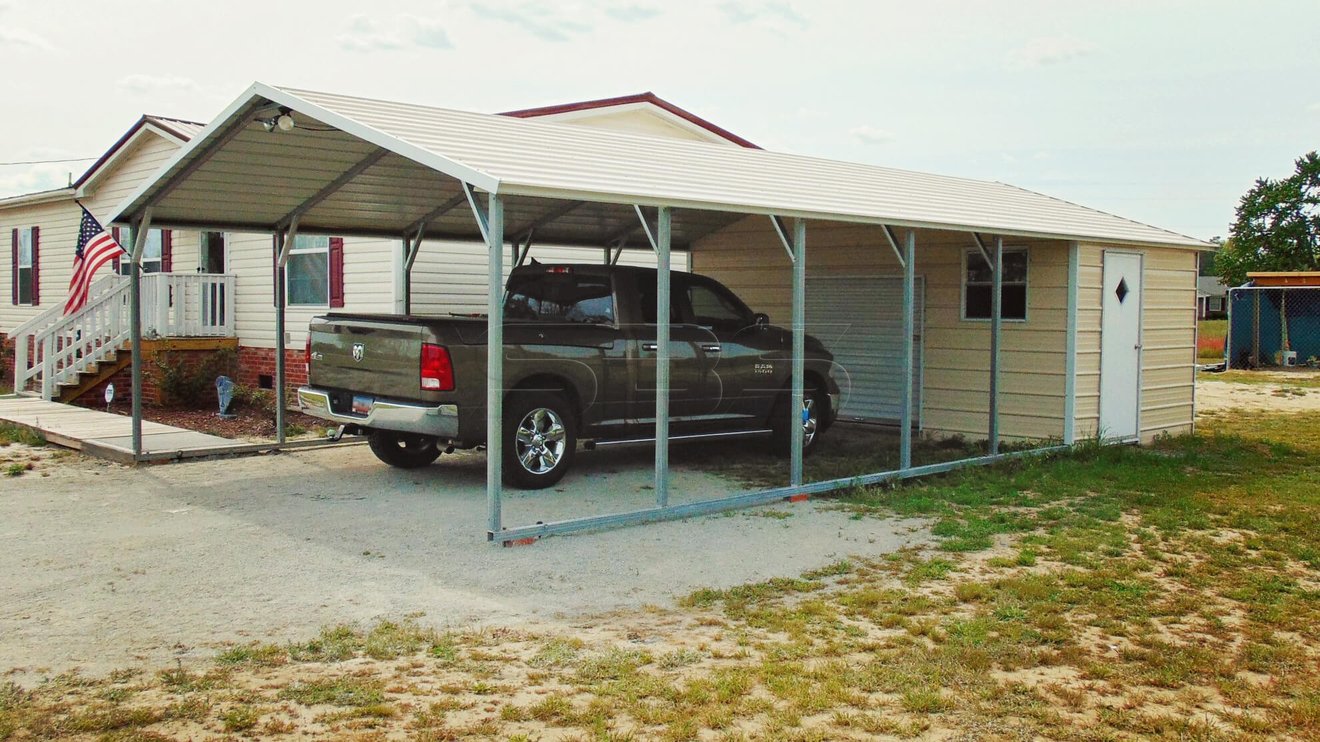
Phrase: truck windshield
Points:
(559, 297)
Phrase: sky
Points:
(1162, 111)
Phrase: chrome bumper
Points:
(440, 421)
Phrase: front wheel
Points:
(815, 410)
(539, 439)
(403, 450)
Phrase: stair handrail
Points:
(72, 343)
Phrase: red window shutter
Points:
(114, 232)
(36, 266)
(14, 273)
(167, 251)
(336, 272)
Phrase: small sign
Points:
(109, 394)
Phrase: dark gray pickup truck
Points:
(579, 366)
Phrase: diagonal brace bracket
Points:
(893, 244)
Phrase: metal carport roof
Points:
(407, 159)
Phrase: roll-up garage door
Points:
(860, 321)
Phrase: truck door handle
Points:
(711, 348)
(650, 346)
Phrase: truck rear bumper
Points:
(440, 421)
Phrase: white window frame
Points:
(319, 245)
(25, 238)
(149, 264)
(975, 254)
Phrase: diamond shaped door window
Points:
(1122, 290)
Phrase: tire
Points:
(816, 403)
(403, 450)
(540, 439)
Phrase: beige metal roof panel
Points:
(257, 174)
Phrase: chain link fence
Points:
(1273, 327)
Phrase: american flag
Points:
(96, 247)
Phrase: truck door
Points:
(736, 348)
(694, 393)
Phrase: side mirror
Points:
(761, 319)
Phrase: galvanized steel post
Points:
(996, 327)
(494, 362)
(796, 428)
(909, 355)
(141, 228)
(664, 221)
(281, 241)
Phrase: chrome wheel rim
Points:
(540, 440)
(810, 424)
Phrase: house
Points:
(215, 285)
(1097, 313)
(1211, 298)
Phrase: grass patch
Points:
(10, 434)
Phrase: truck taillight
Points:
(437, 369)
(307, 357)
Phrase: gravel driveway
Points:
(105, 566)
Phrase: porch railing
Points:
(52, 349)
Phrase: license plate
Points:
(363, 405)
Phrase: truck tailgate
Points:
(375, 356)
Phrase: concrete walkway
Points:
(110, 436)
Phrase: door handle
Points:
(711, 348)
(650, 346)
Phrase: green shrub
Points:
(184, 384)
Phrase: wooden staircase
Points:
(92, 376)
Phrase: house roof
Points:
(626, 101)
(1211, 286)
(239, 176)
(177, 129)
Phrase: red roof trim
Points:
(624, 100)
(159, 121)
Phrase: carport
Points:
(288, 162)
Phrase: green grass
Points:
(1304, 379)
(10, 433)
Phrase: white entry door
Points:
(1120, 347)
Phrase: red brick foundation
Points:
(254, 363)
(172, 352)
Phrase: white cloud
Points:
(16, 181)
(144, 84)
(546, 22)
(1314, 106)
(365, 34)
(1049, 50)
(21, 37)
(776, 15)
(631, 13)
(871, 135)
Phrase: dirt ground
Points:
(1279, 391)
(143, 566)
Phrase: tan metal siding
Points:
(1168, 340)
(748, 257)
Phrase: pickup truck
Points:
(580, 348)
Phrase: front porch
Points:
(60, 358)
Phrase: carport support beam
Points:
(996, 328)
(140, 230)
(909, 356)
(494, 232)
(663, 235)
(284, 243)
(796, 430)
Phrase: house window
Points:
(978, 285)
(26, 264)
(314, 275)
(156, 253)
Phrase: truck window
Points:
(646, 296)
(559, 297)
(713, 306)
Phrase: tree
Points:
(1277, 226)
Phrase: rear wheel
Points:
(539, 439)
(815, 411)
(403, 450)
